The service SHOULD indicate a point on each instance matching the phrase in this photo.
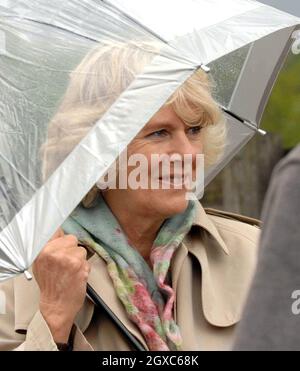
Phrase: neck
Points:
(140, 229)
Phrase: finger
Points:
(69, 240)
(81, 252)
(76, 251)
(64, 242)
(88, 267)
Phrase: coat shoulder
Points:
(241, 226)
(233, 216)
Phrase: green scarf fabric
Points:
(145, 294)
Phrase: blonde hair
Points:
(96, 83)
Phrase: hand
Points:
(61, 271)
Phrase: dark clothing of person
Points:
(271, 319)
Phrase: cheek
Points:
(198, 144)
(141, 148)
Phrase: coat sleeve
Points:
(38, 336)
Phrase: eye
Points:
(195, 130)
(158, 134)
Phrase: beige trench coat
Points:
(211, 272)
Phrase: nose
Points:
(182, 144)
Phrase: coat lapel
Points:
(225, 274)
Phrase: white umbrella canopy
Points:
(41, 43)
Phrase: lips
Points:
(172, 178)
(176, 180)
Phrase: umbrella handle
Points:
(100, 303)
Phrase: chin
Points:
(171, 202)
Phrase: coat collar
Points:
(227, 268)
(203, 221)
(221, 308)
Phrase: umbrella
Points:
(290, 6)
(242, 43)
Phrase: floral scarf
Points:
(145, 294)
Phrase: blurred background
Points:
(242, 185)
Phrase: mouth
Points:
(173, 180)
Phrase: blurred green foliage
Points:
(282, 114)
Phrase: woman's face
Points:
(164, 134)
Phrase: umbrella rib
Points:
(246, 122)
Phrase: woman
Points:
(172, 275)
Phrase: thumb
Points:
(57, 234)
